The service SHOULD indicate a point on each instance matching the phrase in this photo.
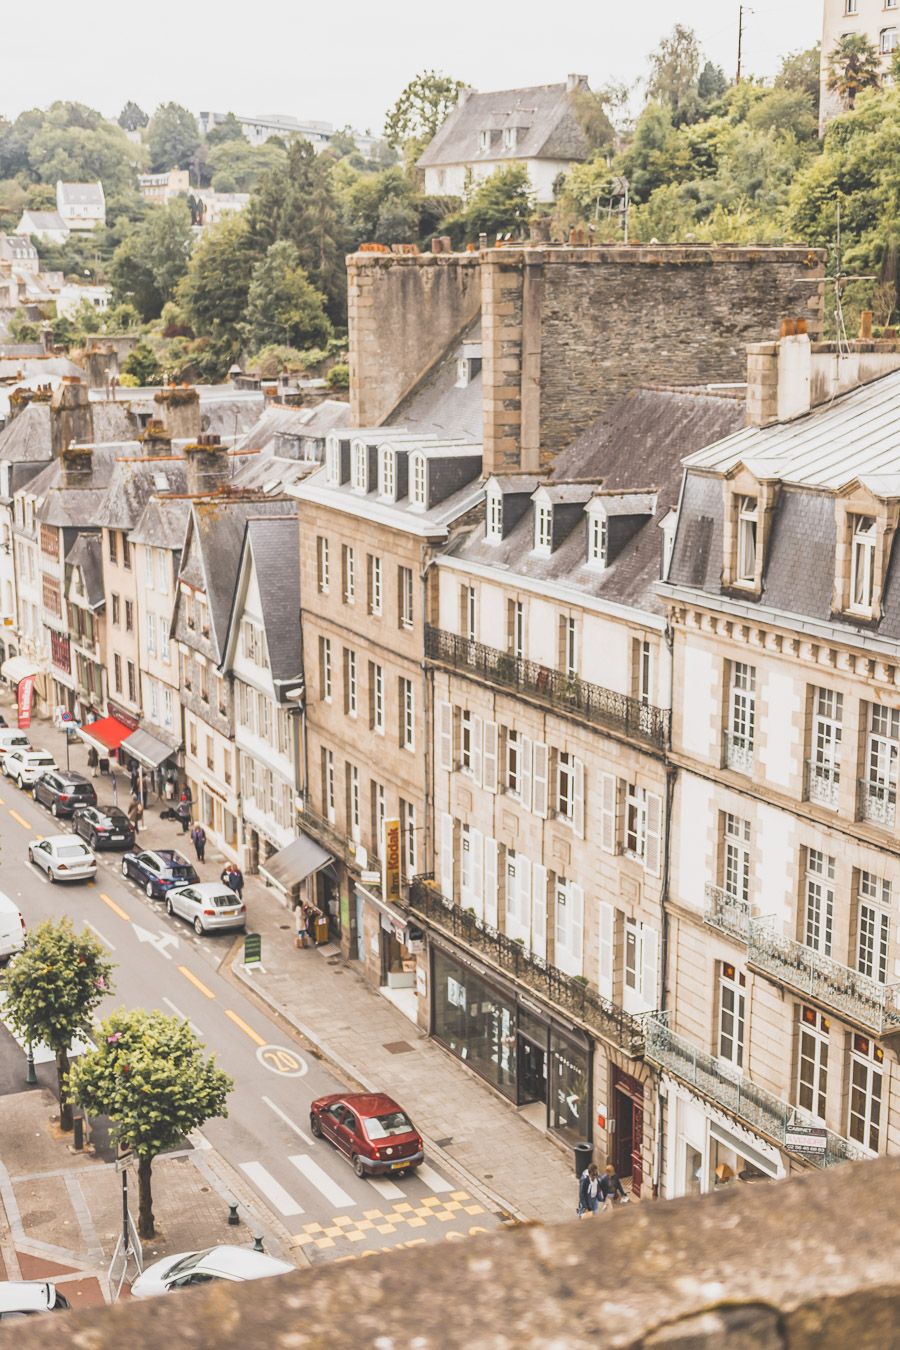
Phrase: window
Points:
(635, 820)
(113, 547)
(543, 529)
(408, 827)
(419, 492)
(747, 534)
(824, 775)
(509, 138)
(467, 623)
(873, 899)
(132, 683)
(348, 561)
(373, 568)
(513, 763)
(819, 889)
(328, 783)
(732, 1014)
(569, 926)
(192, 730)
(168, 708)
(642, 671)
(484, 138)
(325, 669)
(851, 7)
(323, 565)
(360, 467)
(864, 1124)
(210, 753)
(376, 697)
(741, 717)
(643, 823)
(598, 537)
(378, 814)
(126, 552)
(148, 569)
(129, 616)
(162, 571)
(888, 40)
(466, 742)
(405, 594)
(568, 662)
(493, 527)
(878, 796)
(204, 682)
(736, 859)
(565, 786)
(640, 974)
(353, 801)
(151, 633)
(350, 683)
(387, 476)
(515, 628)
(812, 1062)
(50, 594)
(333, 463)
(407, 715)
(862, 563)
(163, 640)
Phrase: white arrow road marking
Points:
(274, 1193)
(159, 940)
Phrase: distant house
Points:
(71, 295)
(81, 205)
(48, 226)
(878, 20)
(161, 188)
(536, 127)
(20, 252)
(216, 205)
(258, 130)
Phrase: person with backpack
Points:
(233, 878)
(612, 1191)
(589, 1199)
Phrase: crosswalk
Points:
(285, 1203)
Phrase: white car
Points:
(23, 1298)
(25, 765)
(12, 928)
(63, 857)
(10, 739)
(186, 1269)
(207, 905)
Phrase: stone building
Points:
(877, 20)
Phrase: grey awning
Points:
(147, 749)
(295, 862)
(17, 668)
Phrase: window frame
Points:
(493, 517)
(598, 541)
(863, 543)
(731, 1039)
(747, 529)
(813, 1041)
(543, 529)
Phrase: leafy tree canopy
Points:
(143, 364)
(149, 263)
(282, 305)
(500, 204)
(421, 108)
(228, 130)
(173, 138)
(242, 165)
(132, 118)
(674, 73)
(853, 66)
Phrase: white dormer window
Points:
(386, 473)
(510, 137)
(333, 463)
(597, 541)
(484, 140)
(419, 489)
(747, 533)
(361, 468)
(862, 563)
(543, 529)
(494, 518)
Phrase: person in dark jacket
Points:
(198, 839)
(233, 877)
(612, 1191)
(183, 814)
(589, 1199)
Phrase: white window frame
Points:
(873, 925)
(863, 535)
(887, 41)
(360, 482)
(865, 1096)
(323, 565)
(732, 1024)
(568, 907)
(377, 699)
(375, 584)
(407, 603)
(326, 668)
(408, 828)
(469, 611)
(353, 794)
(418, 481)
(351, 667)
(387, 473)
(333, 463)
(569, 644)
(736, 838)
(348, 558)
(493, 517)
(543, 529)
(565, 787)
(407, 715)
(328, 783)
(598, 541)
(812, 1062)
(819, 901)
(747, 540)
(827, 727)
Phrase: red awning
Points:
(106, 734)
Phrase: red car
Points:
(370, 1129)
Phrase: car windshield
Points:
(392, 1122)
(72, 851)
(187, 1263)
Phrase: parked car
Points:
(24, 765)
(103, 826)
(24, 1298)
(63, 792)
(216, 1263)
(208, 905)
(63, 858)
(12, 928)
(370, 1129)
(158, 871)
(11, 740)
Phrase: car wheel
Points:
(54, 809)
(148, 889)
(30, 857)
(170, 908)
(95, 840)
(52, 876)
(20, 783)
(314, 1127)
(358, 1165)
(198, 926)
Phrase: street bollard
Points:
(30, 1075)
(233, 1219)
(78, 1133)
(258, 1245)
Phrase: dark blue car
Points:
(158, 870)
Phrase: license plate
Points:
(231, 911)
(394, 1166)
(117, 836)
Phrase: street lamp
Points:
(30, 1075)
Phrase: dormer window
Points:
(862, 563)
(494, 518)
(484, 140)
(387, 473)
(361, 467)
(419, 488)
(543, 529)
(333, 463)
(510, 137)
(747, 533)
(598, 539)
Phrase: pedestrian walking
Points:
(135, 813)
(300, 924)
(236, 881)
(612, 1192)
(589, 1187)
(183, 815)
(198, 839)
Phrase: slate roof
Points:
(278, 420)
(436, 407)
(274, 545)
(43, 220)
(134, 480)
(87, 553)
(543, 115)
(26, 439)
(162, 523)
(79, 194)
(270, 472)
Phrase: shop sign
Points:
(806, 1139)
(390, 881)
(252, 949)
(24, 700)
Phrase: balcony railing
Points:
(573, 996)
(568, 693)
(736, 1094)
(822, 783)
(728, 914)
(328, 833)
(862, 1000)
(877, 804)
(738, 754)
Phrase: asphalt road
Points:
(162, 964)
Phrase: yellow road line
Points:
(116, 909)
(197, 983)
(248, 1031)
(20, 820)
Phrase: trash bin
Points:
(321, 931)
(584, 1155)
(103, 764)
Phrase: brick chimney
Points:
(790, 377)
(207, 464)
(179, 410)
(71, 416)
(574, 82)
(155, 439)
(76, 464)
(103, 366)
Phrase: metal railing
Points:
(328, 834)
(571, 995)
(877, 804)
(736, 1094)
(823, 783)
(865, 1001)
(728, 914)
(569, 693)
(738, 754)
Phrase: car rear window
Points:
(72, 851)
(183, 870)
(393, 1122)
(225, 901)
(39, 761)
(79, 789)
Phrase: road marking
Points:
(386, 1188)
(20, 820)
(432, 1179)
(270, 1188)
(248, 1031)
(281, 1060)
(116, 909)
(197, 983)
(178, 1013)
(97, 934)
(159, 940)
(287, 1120)
(37, 872)
(321, 1180)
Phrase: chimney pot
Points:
(788, 327)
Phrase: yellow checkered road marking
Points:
(400, 1216)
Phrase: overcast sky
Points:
(346, 62)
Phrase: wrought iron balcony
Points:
(823, 783)
(877, 804)
(738, 754)
(568, 693)
(727, 913)
(735, 1093)
(571, 995)
(849, 993)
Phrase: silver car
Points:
(207, 905)
(63, 858)
(185, 1269)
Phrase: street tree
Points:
(421, 108)
(852, 67)
(674, 73)
(500, 204)
(132, 117)
(52, 988)
(282, 304)
(213, 293)
(149, 263)
(229, 129)
(149, 1076)
(173, 137)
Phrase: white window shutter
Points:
(539, 910)
(608, 812)
(575, 901)
(489, 764)
(445, 736)
(490, 881)
(477, 737)
(540, 776)
(477, 845)
(526, 772)
(653, 850)
(649, 944)
(447, 856)
(523, 873)
(607, 939)
(578, 806)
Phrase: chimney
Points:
(574, 82)
(179, 410)
(103, 366)
(155, 439)
(865, 326)
(779, 376)
(76, 464)
(71, 416)
(207, 464)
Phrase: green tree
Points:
(800, 72)
(52, 988)
(132, 117)
(853, 66)
(243, 164)
(228, 130)
(213, 293)
(173, 138)
(143, 363)
(282, 304)
(149, 263)
(421, 108)
(500, 204)
(21, 329)
(712, 83)
(674, 73)
(150, 1077)
(656, 155)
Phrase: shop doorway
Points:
(628, 1099)
(532, 1070)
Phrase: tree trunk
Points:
(146, 1228)
(65, 1106)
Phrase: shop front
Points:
(707, 1150)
